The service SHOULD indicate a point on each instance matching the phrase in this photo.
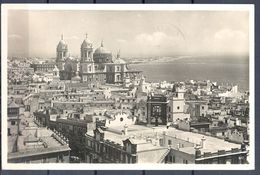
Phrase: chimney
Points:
(155, 143)
(243, 147)
(125, 129)
(197, 151)
(178, 146)
(203, 142)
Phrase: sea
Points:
(224, 70)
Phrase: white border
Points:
(122, 7)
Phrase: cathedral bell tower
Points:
(62, 53)
(87, 69)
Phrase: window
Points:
(178, 107)
(170, 159)
(156, 110)
(118, 77)
(12, 122)
(173, 159)
(234, 160)
(185, 161)
(221, 161)
(202, 107)
(169, 142)
(117, 68)
(61, 158)
(121, 119)
(9, 131)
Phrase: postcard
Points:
(127, 87)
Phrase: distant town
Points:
(96, 109)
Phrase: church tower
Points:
(86, 50)
(62, 53)
(87, 69)
(177, 103)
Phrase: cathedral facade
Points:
(95, 67)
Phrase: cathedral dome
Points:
(62, 44)
(102, 50)
(118, 60)
(86, 43)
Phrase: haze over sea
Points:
(225, 69)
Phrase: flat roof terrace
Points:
(36, 141)
(140, 133)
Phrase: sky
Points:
(136, 33)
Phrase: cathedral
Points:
(95, 67)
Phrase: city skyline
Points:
(165, 33)
(153, 87)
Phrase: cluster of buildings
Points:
(96, 110)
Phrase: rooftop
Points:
(35, 141)
(148, 156)
(139, 134)
(12, 104)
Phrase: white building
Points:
(176, 106)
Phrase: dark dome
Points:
(102, 50)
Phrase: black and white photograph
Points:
(127, 87)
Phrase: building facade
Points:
(157, 110)
(99, 150)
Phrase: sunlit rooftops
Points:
(36, 141)
(139, 134)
